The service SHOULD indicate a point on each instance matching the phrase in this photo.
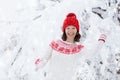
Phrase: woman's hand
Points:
(39, 63)
(102, 37)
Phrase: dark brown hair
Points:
(76, 39)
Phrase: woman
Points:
(62, 55)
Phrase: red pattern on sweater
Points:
(66, 48)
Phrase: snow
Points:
(28, 26)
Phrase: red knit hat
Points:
(70, 20)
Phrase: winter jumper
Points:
(62, 58)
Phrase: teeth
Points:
(71, 34)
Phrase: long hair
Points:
(76, 39)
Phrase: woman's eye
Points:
(73, 28)
(68, 28)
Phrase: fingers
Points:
(102, 37)
(38, 61)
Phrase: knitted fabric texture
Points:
(70, 20)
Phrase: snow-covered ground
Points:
(28, 26)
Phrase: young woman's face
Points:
(70, 32)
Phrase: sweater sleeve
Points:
(41, 62)
(91, 50)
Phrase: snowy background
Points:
(28, 26)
